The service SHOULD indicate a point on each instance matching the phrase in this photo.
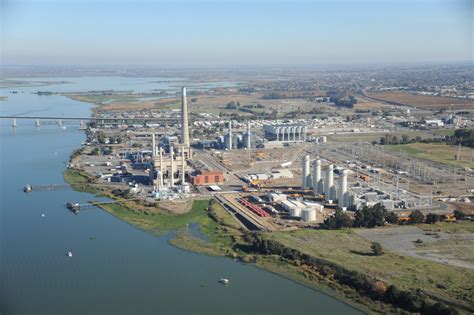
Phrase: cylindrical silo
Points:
(308, 215)
(295, 212)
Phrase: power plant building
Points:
(285, 133)
(204, 178)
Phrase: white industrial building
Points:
(276, 197)
(286, 133)
(282, 173)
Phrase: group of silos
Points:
(325, 186)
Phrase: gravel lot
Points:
(402, 240)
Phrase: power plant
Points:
(167, 166)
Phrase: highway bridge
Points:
(60, 120)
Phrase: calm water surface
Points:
(116, 268)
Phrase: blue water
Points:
(115, 268)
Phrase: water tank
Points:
(295, 212)
(308, 215)
(186, 188)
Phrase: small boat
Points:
(42, 215)
(69, 254)
(27, 189)
(224, 281)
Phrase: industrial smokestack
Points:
(172, 165)
(316, 175)
(342, 188)
(161, 167)
(184, 119)
(248, 144)
(153, 145)
(183, 177)
(305, 172)
(229, 143)
(329, 182)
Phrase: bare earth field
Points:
(431, 243)
(367, 103)
(432, 102)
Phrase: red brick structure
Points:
(204, 178)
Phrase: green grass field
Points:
(159, 223)
(80, 181)
(437, 152)
(349, 250)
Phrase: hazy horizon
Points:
(232, 33)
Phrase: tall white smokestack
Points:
(229, 145)
(183, 161)
(248, 144)
(184, 119)
(161, 167)
(172, 165)
(342, 189)
(316, 175)
(329, 182)
(153, 145)
(305, 172)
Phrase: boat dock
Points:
(47, 187)
(76, 207)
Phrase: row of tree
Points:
(377, 215)
(464, 137)
(368, 217)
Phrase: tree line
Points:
(377, 215)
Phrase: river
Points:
(115, 268)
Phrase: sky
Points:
(233, 32)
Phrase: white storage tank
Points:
(314, 205)
(308, 215)
(186, 188)
(295, 212)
